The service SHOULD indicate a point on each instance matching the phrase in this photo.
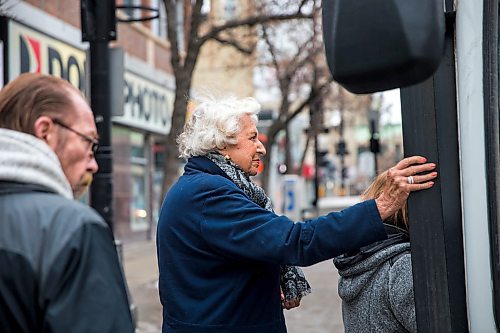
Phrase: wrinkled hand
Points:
(398, 187)
(289, 304)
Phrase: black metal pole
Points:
(430, 129)
(316, 169)
(98, 28)
(342, 152)
(374, 144)
(102, 186)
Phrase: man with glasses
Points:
(85, 179)
(59, 270)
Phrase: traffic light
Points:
(343, 173)
(374, 145)
(342, 148)
(322, 157)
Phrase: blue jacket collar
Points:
(202, 164)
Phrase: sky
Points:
(392, 103)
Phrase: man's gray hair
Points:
(214, 124)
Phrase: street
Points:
(319, 312)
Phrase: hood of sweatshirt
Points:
(358, 267)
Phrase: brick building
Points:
(45, 36)
(221, 68)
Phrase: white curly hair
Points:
(214, 124)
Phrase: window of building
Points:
(159, 26)
(130, 179)
(132, 12)
(229, 9)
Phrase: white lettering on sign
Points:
(147, 105)
(31, 51)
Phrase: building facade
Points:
(223, 69)
(45, 37)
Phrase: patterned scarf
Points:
(292, 280)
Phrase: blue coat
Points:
(219, 253)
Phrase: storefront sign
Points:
(147, 105)
(32, 51)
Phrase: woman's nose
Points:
(261, 149)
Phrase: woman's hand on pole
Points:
(410, 174)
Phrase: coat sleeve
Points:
(237, 227)
(401, 293)
(85, 289)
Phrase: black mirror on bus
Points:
(377, 45)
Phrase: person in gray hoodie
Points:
(376, 284)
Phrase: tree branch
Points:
(311, 98)
(302, 4)
(252, 21)
(194, 45)
(234, 44)
(172, 33)
(272, 50)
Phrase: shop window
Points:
(138, 205)
(130, 180)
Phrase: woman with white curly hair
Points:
(224, 256)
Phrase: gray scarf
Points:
(292, 280)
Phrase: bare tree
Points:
(301, 75)
(183, 59)
(304, 83)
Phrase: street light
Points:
(154, 13)
(373, 117)
(98, 19)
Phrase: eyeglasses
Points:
(94, 144)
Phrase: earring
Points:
(227, 157)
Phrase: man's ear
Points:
(44, 129)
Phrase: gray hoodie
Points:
(376, 286)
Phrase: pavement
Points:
(141, 272)
(319, 312)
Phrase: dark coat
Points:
(219, 253)
(59, 269)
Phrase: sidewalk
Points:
(141, 272)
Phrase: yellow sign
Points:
(32, 51)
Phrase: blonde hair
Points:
(400, 218)
(215, 124)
